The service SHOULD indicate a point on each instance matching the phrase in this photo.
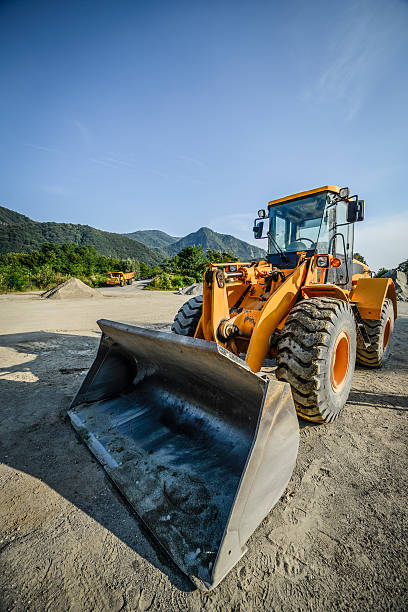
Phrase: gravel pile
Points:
(401, 284)
(400, 278)
(73, 288)
(196, 289)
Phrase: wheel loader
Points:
(198, 436)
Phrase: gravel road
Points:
(335, 540)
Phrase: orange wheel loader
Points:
(198, 438)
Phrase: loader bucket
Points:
(201, 447)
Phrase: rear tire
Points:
(186, 320)
(380, 333)
(316, 356)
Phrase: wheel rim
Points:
(340, 361)
(387, 333)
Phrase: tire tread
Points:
(374, 356)
(302, 354)
(187, 318)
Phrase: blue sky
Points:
(131, 115)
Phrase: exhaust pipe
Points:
(201, 447)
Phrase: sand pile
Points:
(73, 288)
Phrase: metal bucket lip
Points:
(246, 486)
(173, 339)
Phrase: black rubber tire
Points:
(377, 353)
(305, 351)
(186, 320)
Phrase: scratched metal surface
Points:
(200, 446)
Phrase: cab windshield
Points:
(296, 225)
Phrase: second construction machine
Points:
(197, 437)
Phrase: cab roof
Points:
(303, 194)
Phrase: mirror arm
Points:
(331, 246)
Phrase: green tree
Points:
(192, 262)
(382, 272)
(218, 257)
(14, 279)
(131, 265)
(361, 258)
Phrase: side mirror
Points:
(361, 210)
(258, 229)
(355, 211)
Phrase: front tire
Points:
(186, 320)
(316, 356)
(380, 333)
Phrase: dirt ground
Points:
(335, 540)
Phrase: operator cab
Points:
(311, 222)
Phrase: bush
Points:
(163, 281)
(14, 279)
(44, 277)
(157, 283)
(97, 280)
(169, 282)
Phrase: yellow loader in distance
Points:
(197, 437)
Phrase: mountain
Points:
(204, 237)
(153, 238)
(10, 216)
(19, 234)
(209, 239)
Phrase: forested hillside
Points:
(19, 234)
(208, 239)
(153, 238)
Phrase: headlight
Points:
(344, 193)
(232, 268)
(322, 261)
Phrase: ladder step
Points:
(361, 328)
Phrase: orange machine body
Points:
(245, 303)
